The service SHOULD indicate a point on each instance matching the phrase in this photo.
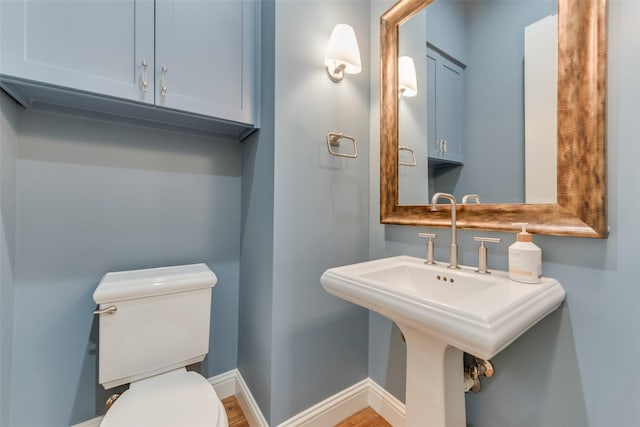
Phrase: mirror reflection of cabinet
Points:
(445, 109)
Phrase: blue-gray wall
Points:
(317, 344)
(255, 334)
(575, 368)
(8, 144)
(321, 206)
(93, 197)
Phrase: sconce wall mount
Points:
(343, 54)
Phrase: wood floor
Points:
(234, 412)
(367, 417)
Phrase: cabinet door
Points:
(445, 108)
(433, 145)
(205, 57)
(94, 46)
(449, 109)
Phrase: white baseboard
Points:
(226, 384)
(349, 401)
(386, 404)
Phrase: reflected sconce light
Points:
(343, 55)
(407, 82)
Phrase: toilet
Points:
(154, 323)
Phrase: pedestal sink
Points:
(442, 313)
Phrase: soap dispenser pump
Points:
(525, 258)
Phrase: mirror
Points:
(580, 206)
(487, 76)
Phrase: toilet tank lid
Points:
(124, 285)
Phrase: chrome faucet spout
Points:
(453, 261)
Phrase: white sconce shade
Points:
(343, 54)
(407, 82)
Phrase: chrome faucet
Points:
(453, 261)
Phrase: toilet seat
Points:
(176, 398)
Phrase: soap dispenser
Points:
(525, 258)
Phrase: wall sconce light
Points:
(343, 55)
(407, 83)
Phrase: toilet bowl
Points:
(154, 323)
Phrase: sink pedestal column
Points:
(435, 382)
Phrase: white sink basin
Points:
(443, 312)
(477, 313)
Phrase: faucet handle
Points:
(467, 197)
(429, 236)
(482, 252)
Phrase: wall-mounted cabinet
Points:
(183, 63)
(445, 109)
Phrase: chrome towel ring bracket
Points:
(333, 140)
(413, 156)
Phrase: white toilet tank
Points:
(160, 321)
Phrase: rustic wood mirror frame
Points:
(581, 206)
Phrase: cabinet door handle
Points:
(163, 83)
(144, 82)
